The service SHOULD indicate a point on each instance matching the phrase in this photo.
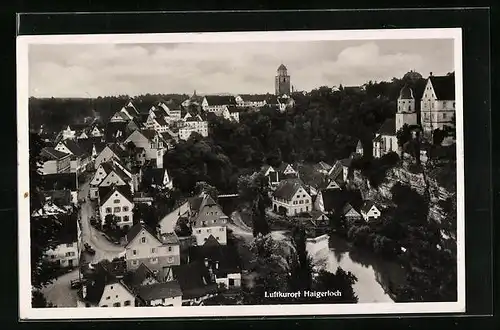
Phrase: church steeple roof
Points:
(281, 67)
(406, 93)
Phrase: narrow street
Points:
(60, 293)
(104, 248)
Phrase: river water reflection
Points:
(374, 274)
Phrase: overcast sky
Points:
(113, 69)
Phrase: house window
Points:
(205, 239)
(199, 231)
(104, 306)
(143, 239)
(134, 262)
(444, 115)
(125, 208)
(169, 249)
(108, 297)
(126, 218)
(118, 218)
(117, 209)
(154, 260)
(134, 252)
(170, 260)
(209, 230)
(221, 229)
(116, 201)
(301, 202)
(69, 245)
(217, 238)
(127, 303)
(231, 282)
(204, 223)
(153, 250)
(108, 210)
(116, 304)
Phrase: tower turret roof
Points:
(406, 93)
(281, 67)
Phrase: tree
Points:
(403, 135)
(43, 230)
(110, 222)
(270, 268)
(340, 281)
(253, 190)
(146, 213)
(204, 187)
(300, 262)
(38, 300)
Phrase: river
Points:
(373, 273)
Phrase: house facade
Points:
(214, 103)
(55, 161)
(114, 293)
(79, 160)
(291, 198)
(208, 219)
(109, 174)
(193, 124)
(370, 211)
(167, 294)
(67, 252)
(437, 105)
(116, 201)
(152, 143)
(158, 253)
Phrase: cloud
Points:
(112, 69)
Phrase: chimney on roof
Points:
(430, 74)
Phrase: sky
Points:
(92, 70)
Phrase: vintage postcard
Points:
(241, 174)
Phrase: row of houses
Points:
(156, 270)
(292, 197)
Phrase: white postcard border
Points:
(26, 312)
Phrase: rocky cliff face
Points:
(427, 182)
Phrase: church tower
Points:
(282, 81)
(406, 108)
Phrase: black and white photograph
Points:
(240, 174)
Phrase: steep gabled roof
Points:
(220, 100)
(163, 290)
(74, 148)
(52, 154)
(136, 229)
(106, 192)
(367, 206)
(287, 188)
(388, 127)
(253, 97)
(194, 280)
(444, 87)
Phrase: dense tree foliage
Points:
(341, 281)
(254, 193)
(300, 262)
